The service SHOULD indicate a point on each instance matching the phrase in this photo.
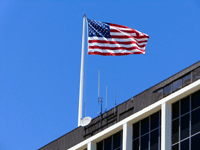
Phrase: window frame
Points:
(112, 141)
(149, 132)
(180, 116)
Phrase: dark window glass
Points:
(196, 121)
(117, 138)
(185, 145)
(148, 136)
(160, 118)
(177, 85)
(145, 125)
(113, 142)
(175, 131)
(100, 145)
(195, 142)
(154, 120)
(136, 144)
(160, 141)
(158, 94)
(175, 110)
(196, 100)
(167, 90)
(186, 79)
(184, 126)
(144, 142)
(108, 143)
(154, 140)
(175, 147)
(185, 105)
(196, 74)
(136, 130)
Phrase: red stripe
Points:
(121, 36)
(115, 48)
(112, 54)
(111, 42)
(128, 36)
(127, 31)
(116, 42)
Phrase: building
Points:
(163, 117)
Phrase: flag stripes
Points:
(115, 40)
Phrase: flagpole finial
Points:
(84, 15)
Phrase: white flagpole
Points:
(81, 75)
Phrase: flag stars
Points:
(98, 29)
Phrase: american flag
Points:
(116, 40)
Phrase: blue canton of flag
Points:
(99, 29)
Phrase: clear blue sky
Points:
(40, 57)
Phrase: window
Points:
(167, 90)
(186, 123)
(196, 74)
(177, 85)
(158, 94)
(146, 133)
(186, 79)
(113, 142)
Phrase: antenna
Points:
(106, 97)
(115, 100)
(99, 98)
(100, 101)
(115, 97)
(98, 83)
(85, 121)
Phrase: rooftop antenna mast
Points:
(106, 97)
(115, 101)
(99, 98)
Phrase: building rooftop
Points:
(127, 108)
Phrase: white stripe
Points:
(116, 39)
(113, 51)
(143, 39)
(120, 28)
(122, 33)
(141, 33)
(111, 39)
(133, 44)
(115, 45)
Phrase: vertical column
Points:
(166, 128)
(127, 136)
(91, 146)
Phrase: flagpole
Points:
(81, 75)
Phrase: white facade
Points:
(127, 124)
